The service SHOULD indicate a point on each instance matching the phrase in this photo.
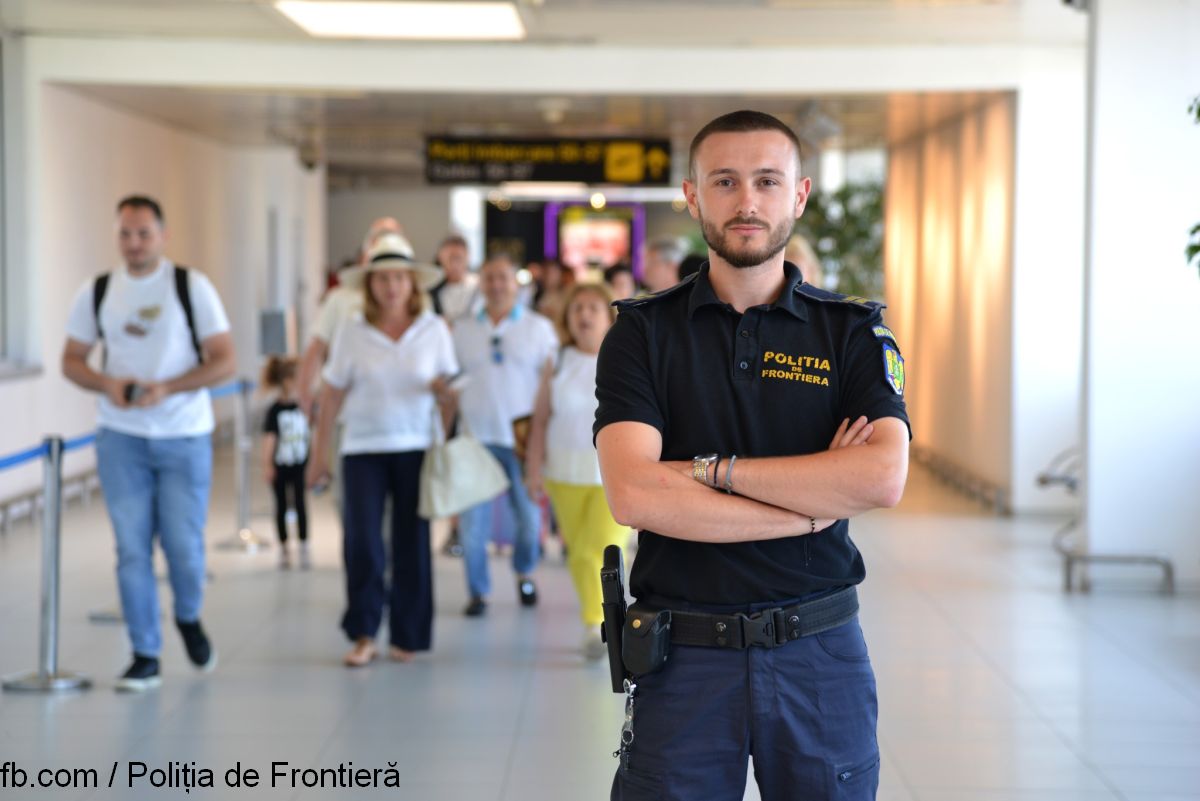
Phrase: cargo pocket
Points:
(857, 782)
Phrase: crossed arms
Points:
(865, 468)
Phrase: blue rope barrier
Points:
(83, 440)
(232, 388)
(12, 460)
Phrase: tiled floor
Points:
(994, 686)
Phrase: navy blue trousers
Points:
(804, 712)
(368, 478)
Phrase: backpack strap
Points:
(185, 300)
(99, 287)
(436, 295)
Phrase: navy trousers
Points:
(804, 712)
(368, 478)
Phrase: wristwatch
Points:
(700, 465)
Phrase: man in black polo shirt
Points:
(743, 417)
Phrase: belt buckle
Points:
(764, 629)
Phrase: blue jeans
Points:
(805, 712)
(156, 487)
(370, 479)
(475, 526)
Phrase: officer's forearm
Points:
(663, 498)
(840, 483)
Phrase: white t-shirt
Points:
(503, 364)
(146, 338)
(389, 404)
(461, 299)
(340, 305)
(570, 456)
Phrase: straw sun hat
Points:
(393, 252)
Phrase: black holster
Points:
(612, 586)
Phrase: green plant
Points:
(1193, 247)
(845, 227)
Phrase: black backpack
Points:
(181, 290)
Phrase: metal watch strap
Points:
(700, 465)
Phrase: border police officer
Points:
(743, 417)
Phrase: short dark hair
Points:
(141, 202)
(743, 121)
(458, 240)
(612, 272)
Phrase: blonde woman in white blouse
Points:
(561, 459)
(385, 376)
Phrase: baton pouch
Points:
(645, 640)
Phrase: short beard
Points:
(718, 240)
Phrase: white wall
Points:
(1141, 375)
(80, 157)
(423, 211)
(1047, 280)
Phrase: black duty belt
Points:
(769, 628)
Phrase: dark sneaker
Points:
(199, 649)
(142, 675)
(527, 591)
(476, 607)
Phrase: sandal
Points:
(400, 655)
(361, 654)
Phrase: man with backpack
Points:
(165, 341)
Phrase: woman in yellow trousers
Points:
(560, 457)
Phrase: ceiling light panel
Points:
(444, 21)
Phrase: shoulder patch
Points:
(883, 332)
(893, 367)
(825, 296)
(646, 300)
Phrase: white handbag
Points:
(457, 474)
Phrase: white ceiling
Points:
(634, 22)
(379, 137)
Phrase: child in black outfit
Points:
(285, 454)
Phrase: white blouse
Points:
(389, 405)
(570, 456)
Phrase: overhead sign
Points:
(636, 162)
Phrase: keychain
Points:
(627, 726)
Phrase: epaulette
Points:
(645, 300)
(825, 296)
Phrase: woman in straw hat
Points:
(385, 377)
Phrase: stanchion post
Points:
(243, 444)
(48, 678)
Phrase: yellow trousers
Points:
(587, 528)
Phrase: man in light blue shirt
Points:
(502, 350)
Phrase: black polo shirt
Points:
(774, 381)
